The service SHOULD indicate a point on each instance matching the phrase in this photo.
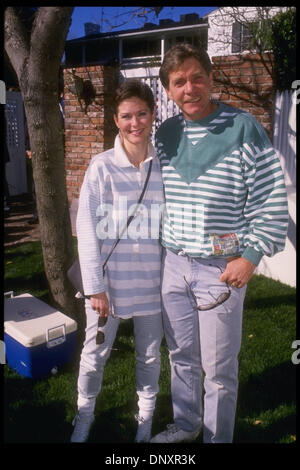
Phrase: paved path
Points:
(18, 226)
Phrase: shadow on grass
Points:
(37, 424)
(29, 422)
(267, 394)
(269, 302)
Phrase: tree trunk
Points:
(36, 61)
(47, 147)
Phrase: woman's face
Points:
(134, 120)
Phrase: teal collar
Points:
(212, 143)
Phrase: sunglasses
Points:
(217, 300)
(100, 338)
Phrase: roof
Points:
(188, 22)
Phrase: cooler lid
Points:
(31, 321)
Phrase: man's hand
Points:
(99, 302)
(238, 272)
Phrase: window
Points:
(254, 35)
(140, 48)
(241, 38)
(198, 39)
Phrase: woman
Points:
(130, 287)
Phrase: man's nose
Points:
(188, 87)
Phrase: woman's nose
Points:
(134, 121)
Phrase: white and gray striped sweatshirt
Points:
(224, 187)
(110, 190)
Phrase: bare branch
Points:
(16, 41)
(138, 12)
(49, 33)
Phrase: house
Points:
(136, 49)
(229, 28)
(138, 52)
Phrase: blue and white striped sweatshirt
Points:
(224, 187)
(110, 191)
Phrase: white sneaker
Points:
(144, 429)
(174, 434)
(82, 423)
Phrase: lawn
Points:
(37, 411)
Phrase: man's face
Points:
(190, 88)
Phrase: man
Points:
(226, 207)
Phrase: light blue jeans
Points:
(203, 345)
(148, 332)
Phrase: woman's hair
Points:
(134, 88)
(176, 55)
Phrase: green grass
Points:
(42, 410)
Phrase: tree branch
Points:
(49, 32)
(16, 41)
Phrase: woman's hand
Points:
(99, 302)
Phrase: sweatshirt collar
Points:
(120, 155)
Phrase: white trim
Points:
(190, 27)
(165, 30)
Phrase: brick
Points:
(84, 144)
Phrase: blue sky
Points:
(83, 15)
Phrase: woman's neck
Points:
(136, 153)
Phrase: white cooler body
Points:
(37, 337)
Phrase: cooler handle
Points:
(11, 293)
(56, 341)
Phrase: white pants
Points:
(148, 333)
(203, 345)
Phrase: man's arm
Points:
(265, 210)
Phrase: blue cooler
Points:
(38, 339)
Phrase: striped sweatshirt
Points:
(109, 193)
(224, 187)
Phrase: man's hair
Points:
(134, 88)
(176, 55)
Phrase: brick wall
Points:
(91, 132)
(245, 81)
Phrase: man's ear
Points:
(169, 94)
